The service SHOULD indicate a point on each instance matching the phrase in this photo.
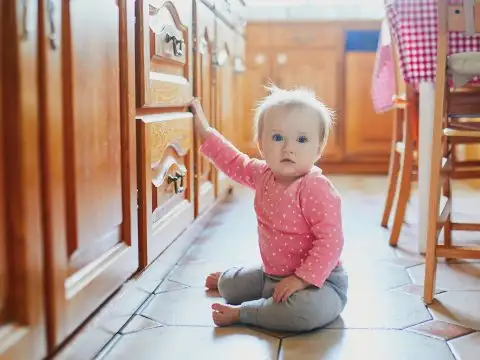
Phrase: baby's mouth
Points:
(287, 161)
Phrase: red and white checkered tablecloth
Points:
(413, 25)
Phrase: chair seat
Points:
(463, 67)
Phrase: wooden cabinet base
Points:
(95, 335)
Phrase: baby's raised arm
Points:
(226, 157)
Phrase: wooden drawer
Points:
(165, 180)
(163, 53)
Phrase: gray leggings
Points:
(304, 310)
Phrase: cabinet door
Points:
(203, 82)
(22, 334)
(367, 134)
(224, 117)
(258, 75)
(88, 149)
(317, 70)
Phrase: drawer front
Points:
(163, 53)
(165, 151)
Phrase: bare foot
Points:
(224, 315)
(212, 281)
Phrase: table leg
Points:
(426, 119)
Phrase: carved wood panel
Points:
(165, 172)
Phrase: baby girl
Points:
(301, 285)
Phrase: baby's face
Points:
(290, 142)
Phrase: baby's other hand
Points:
(286, 287)
(201, 123)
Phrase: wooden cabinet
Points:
(204, 35)
(22, 317)
(316, 55)
(97, 147)
(88, 158)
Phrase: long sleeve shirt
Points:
(299, 225)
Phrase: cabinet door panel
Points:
(203, 80)
(88, 148)
(163, 53)
(367, 134)
(224, 117)
(22, 331)
(317, 70)
(165, 144)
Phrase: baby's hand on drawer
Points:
(201, 123)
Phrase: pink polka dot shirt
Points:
(299, 225)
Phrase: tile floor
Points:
(384, 319)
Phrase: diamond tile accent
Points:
(170, 286)
(441, 330)
(139, 323)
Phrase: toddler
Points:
(301, 285)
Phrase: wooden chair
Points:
(454, 111)
(403, 160)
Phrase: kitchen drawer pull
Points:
(178, 176)
(177, 44)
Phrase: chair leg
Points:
(440, 112)
(405, 185)
(393, 170)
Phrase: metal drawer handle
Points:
(178, 176)
(177, 44)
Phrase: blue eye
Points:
(277, 137)
(302, 139)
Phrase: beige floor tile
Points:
(179, 343)
(381, 310)
(364, 344)
(182, 307)
(458, 307)
(366, 276)
(466, 347)
(451, 276)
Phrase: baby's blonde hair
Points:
(296, 98)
